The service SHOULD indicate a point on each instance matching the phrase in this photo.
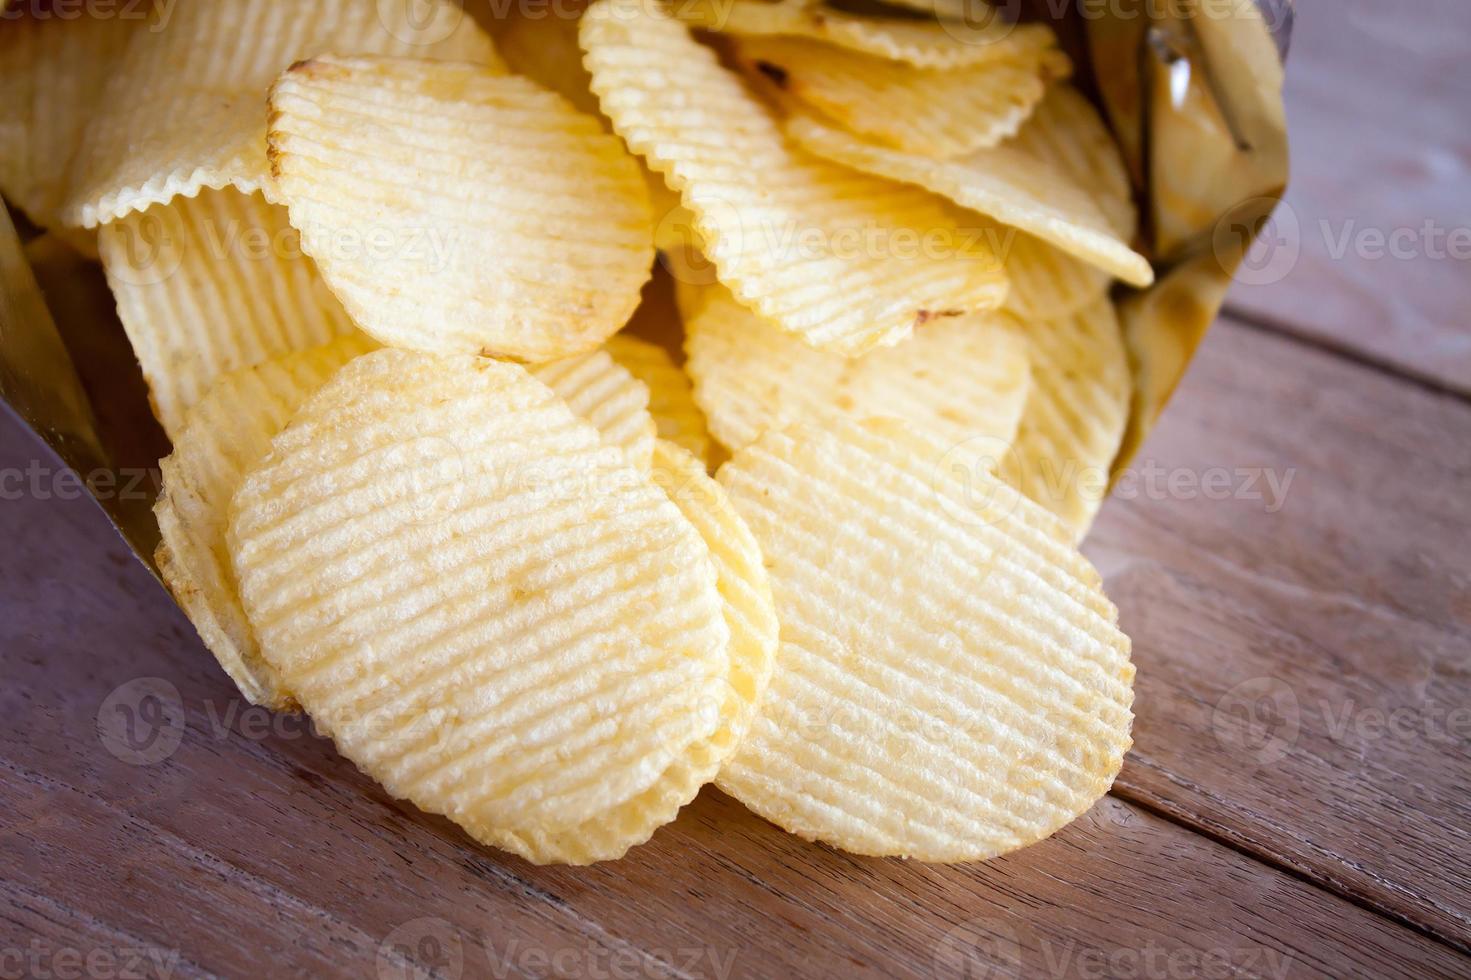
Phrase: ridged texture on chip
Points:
(52, 73)
(935, 113)
(1004, 182)
(490, 612)
(846, 261)
(950, 685)
(958, 378)
(544, 48)
(226, 434)
(599, 388)
(924, 44)
(488, 215)
(671, 401)
(1046, 282)
(1068, 133)
(745, 592)
(184, 108)
(1075, 416)
(209, 284)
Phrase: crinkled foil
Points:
(1192, 89)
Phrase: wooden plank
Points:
(1304, 663)
(249, 845)
(1376, 99)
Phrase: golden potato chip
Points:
(182, 110)
(1076, 414)
(745, 593)
(848, 262)
(454, 210)
(934, 113)
(922, 43)
(541, 44)
(223, 436)
(54, 71)
(950, 683)
(1067, 132)
(1003, 182)
(209, 284)
(490, 612)
(671, 401)
(1046, 283)
(958, 378)
(605, 392)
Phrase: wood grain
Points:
(1376, 99)
(1304, 666)
(252, 846)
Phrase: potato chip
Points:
(950, 683)
(958, 378)
(1067, 132)
(453, 210)
(55, 70)
(183, 108)
(493, 614)
(1004, 182)
(1046, 283)
(223, 436)
(671, 401)
(745, 592)
(605, 392)
(922, 43)
(541, 43)
(1076, 414)
(209, 284)
(848, 262)
(933, 113)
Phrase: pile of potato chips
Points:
(442, 447)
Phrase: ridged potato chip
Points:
(951, 684)
(1046, 282)
(491, 613)
(542, 45)
(671, 401)
(924, 44)
(1003, 182)
(959, 379)
(934, 113)
(457, 211)
(750, 614)
(55, 70)
(226, 434)
(846, 261)
(209, 284)
(600, 388)
(1075, 416)
(182, 108)
(1068, 133)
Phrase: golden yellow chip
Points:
(671, 401)
(1003, 182)
(183, 109)
(226, 434)
(490, 612)
(958, 378)
(950, 684)
(745, 593)
(603, 390)
(209, 284)
(934, 113)
(454, 210)
(922, 43)
(1068, 133)
(541, 43)
(1046, 283)
(54, 71)
(1075, 416)
(846, 261)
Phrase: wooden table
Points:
(1290, 557)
